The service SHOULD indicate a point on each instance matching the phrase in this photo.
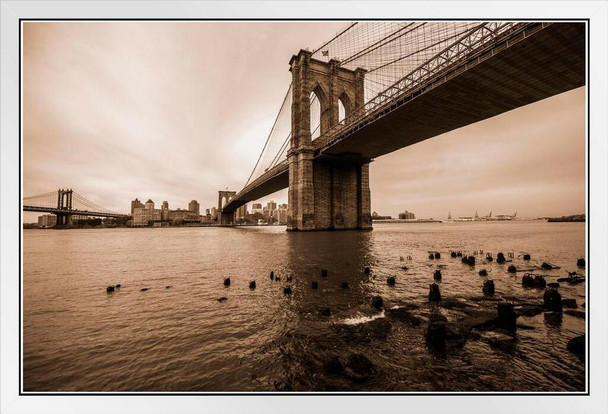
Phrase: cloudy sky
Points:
(179, 110)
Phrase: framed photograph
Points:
(335, 206)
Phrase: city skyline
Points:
(146, 123)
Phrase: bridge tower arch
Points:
(64, 205)
(330, 193)
(224, 197)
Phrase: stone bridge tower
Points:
(331, 192)
(223, 198)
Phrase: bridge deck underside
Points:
(550, 62)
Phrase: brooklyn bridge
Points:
(377, 87)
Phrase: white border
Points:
(11, 11)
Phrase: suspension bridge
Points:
(66, 203)
(377, 87)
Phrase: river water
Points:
(177, 336)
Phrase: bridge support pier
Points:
(227, 219)
(328, 195)
(63, 220)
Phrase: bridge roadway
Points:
(548, 62)
(74, 212)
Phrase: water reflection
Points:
(183, 338)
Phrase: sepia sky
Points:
(179, 110)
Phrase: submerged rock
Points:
(483, 272)
(580, 262)
(577, 345)
(252, 284)
(499, 340)
(431, 256)
(436, 332)
(287, 290)
(507, 318)
(512, 269)
(488, 287)
(553, 300)
(437, 255)
(390, 281)
(227, 281)
(334, 366)
(540, 282)
(527, 280)
(377, 302)
(272, 275)
(500, 258)
(434, 294)
(144, 289)
(358, 368)
(110, 289)
(453, 254)
(526, 256)
(471, 260)
(222, 299)
(437, 275)
(403, 315)
(118, 286)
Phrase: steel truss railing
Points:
(471, 44)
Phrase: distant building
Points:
(164, 211)
(241, 212)
(207, 212)
(136, 204)
(194, 206)
(213, 213)
(179, 216)
(376, 216)
(144, 216)
(281, 214)
(407, 215)
(256, 208)
(47, 220)
(149, 205)
(271, 206)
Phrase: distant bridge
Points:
(65, 204)
(382, 86)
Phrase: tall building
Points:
(272, 206)
(149, 204)
(241, 212)
(256, 208)
(164, 211)
(281, 214)
(136, 204)
(194, 206)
